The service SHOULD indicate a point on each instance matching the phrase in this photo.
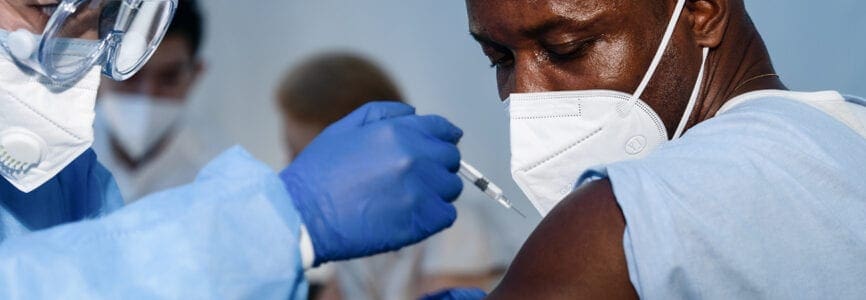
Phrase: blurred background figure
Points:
(140, 129)
(324, 89)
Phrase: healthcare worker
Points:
(142, 132)
(698, 174)
(239, 230)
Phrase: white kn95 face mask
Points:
(556, 136)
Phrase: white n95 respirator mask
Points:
(44, 126)
(556, 136)
(138, 122)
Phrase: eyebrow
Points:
(550, 25)
(543, 28)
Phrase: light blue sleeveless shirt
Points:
(765, 201)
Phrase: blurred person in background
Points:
(141, 132)
(320, 91)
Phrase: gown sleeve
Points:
(233, 233)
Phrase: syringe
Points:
(477, 179)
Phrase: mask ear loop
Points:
(690, 107)
(625, 108)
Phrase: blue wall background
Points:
(816, 45)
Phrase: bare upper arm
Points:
(575, 253)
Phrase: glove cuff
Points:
(308, 253)
(305, 203)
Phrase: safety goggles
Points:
(119, 35)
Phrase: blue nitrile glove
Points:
(379, 179)
(457, 294)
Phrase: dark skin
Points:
(547, 45)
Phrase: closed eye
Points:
(499, 57)
(571, 50)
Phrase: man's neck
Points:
(741, 64)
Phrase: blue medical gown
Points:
(232, 233)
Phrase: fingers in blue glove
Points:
(378, 111)
(374, 112)
(427, 226)
(440, 181)
(437, 127)
(457, 294)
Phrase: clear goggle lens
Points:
(125, 34)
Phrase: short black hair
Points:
(189, 22)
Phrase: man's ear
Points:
(709, 19)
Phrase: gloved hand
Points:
(379, 179)
(457, 294)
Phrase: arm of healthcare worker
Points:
(384, 179)
(575, 253)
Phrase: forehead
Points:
(525, 15)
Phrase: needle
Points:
(472, 175)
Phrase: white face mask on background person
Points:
(556, 136)
(139, 122)
(44, 126)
